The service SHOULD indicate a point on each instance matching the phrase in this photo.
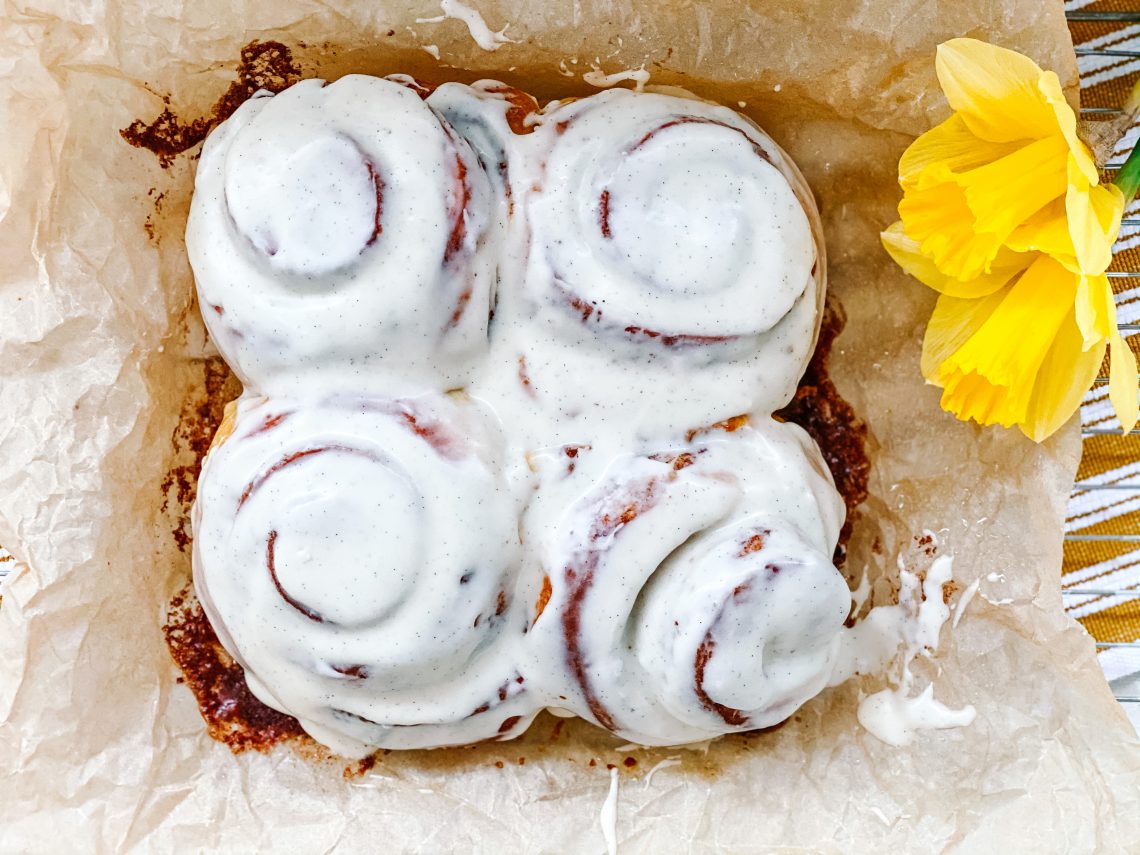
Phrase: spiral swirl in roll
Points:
(691, 593)
(340, 232)
(683, 227)
(662, 243)
(489, 115)
(358, 559)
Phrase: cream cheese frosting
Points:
(506, 439)
(339, 237)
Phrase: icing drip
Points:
(897, 714)
(608, 817)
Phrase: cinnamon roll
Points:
(358, 558)
(689, 593)
(341, 234)
(664, 244)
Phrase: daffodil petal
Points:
(972, 397)
(1004, 194)
(951, 324)
(1050, 87)
(1094, 309)
(1047, 231)
(936, 215)
(1123, 383)
(950, 143)
(1094, 214)
(906, 254)
(1065, 375)
(996, 90)
(990, 378)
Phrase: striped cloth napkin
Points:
(1101, 570)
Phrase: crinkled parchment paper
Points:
(102, 749)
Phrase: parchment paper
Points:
(101, 749)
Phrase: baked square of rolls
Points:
(472, 475)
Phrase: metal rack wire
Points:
(1113, 490)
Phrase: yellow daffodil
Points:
(1003, 214)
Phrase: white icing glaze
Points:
(481, 34)
(608, 815)
(659, 270)
(358, 558)
(339, 238)
(623, 338)
(896, 718)
(596, 77)
(964, 601)
(667, 763)
(896, 714)
(691, 592)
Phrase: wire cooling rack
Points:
(1101, 582)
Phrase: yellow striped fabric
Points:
(1101, 569)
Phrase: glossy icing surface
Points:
(506, 441)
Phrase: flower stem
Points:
(1128, 179)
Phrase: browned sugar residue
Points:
(198, 422)
(264, 65)
(695, 120)
(543, 599)
(149, 224)
(459, 221)
(524, 377)
(572, 452)
(378, 189)
(731, 716)
(254, 485)
(678, 461)
(629, 762)
(949, 589)
(361, 767)
(523, 106)
(581, 307)
(233, 715)
(271, 565)
(728, 426)
(618, 512)
(270, 423)
(753, 544)
(435, 435)
(831, 421)
(356, 672)
(677, 339)
(509, 724)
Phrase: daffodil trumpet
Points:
(1004, 215)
